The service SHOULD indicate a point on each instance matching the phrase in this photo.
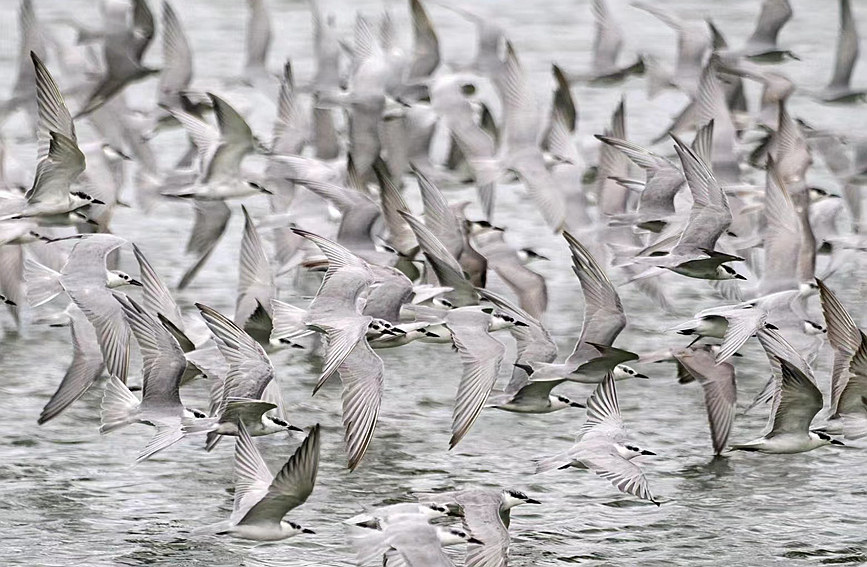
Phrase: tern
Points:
(603, 446)
(797, 400)
(262, 499)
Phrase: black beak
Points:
(10, 302)
(307, 531)
(836, 442)
(739, 355)
(643, 376)
(739, 277)
(135, 282)
(293, 428)
(476, 541)
(532, 501)
(771, 327)
(646, 452)
(521, 324)
(97, 202)
(576, 405)
(525, 367)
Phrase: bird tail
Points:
(192, 425)
(165, 437)
(118, 406)
(43, 283)
(287, 321)
(558, 461)
(212, 440)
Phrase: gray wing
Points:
(258, 35)
(157, 297)
(797, 401)
(344, 334)
(31, 40)
(603, 413)
(742, 324)
(663, 177)
(361, 374)
(482, 520)
(710, 215)
(291, 486)
(439, 216)
(255, 280)
(163, 361)
(391, 290)
(844, 336)
(418, 543)
(400, 236)
(529, 286)
(252, 477)
(83, 278)
(603, 311)
(481, 356)
(782, 236)
(543, 187)
(425, 47)
(720, 391)
(852, 406)
(777, 348)
(250, 369)
(772, 18)
(57, 171)
(358, 211)
(444, 265)
(338, 256)
(241, 410)
(847, 49)
(608, 40)
(212, 217)
(177, 71)
(604, 460)
(54, 116)
(86, 367)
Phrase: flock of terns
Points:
(348, 146)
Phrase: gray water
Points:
(69, 496)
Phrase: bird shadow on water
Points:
(718, 466)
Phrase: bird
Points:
(735, 324)
(220, 153)
(123, 48)
(593, 355)
(51, 199)
(839, 88)
(797, 400)
(534, 343)
(247, 384)
(163, 365)
(693, 255)
(847, 410)
(603, 446)
(487, 515)
(262, 499)
(413, 539)
(718, 383)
